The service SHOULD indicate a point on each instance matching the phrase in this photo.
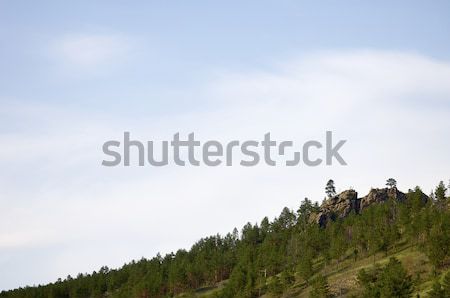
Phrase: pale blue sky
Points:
(74, 75)
(178, 42)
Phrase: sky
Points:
(75, 75)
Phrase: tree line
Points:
(269, 256)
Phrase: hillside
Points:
(385, 244)
(342, 276)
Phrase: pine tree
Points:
(440, 195)
(304, 212)
(287, 278)
(305, 265)
(437, 247)
(275, 287)
(320, 288)
(368, 279)
(390, 281)
(395, 281)
(330, 190)
(391, 182)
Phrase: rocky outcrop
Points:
(337, 207)
(346, 202)
(380, 195)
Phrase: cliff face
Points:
(347, 201)
(337, 207)
(380, 195)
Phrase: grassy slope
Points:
(342, 276)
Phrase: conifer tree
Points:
(391, 182)
(439, 194)
(320, 288)
(395, 281)
(330, 190)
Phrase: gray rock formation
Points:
(337, 207)
(347, 201)
(380, 195)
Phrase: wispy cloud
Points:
(91, 52)
(60, 199)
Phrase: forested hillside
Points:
(386, 244)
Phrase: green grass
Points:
(342, 276)
(204, 292)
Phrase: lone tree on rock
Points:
(391, 182)
(330, 190)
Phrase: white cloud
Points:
(60, 195)
(90, 52)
